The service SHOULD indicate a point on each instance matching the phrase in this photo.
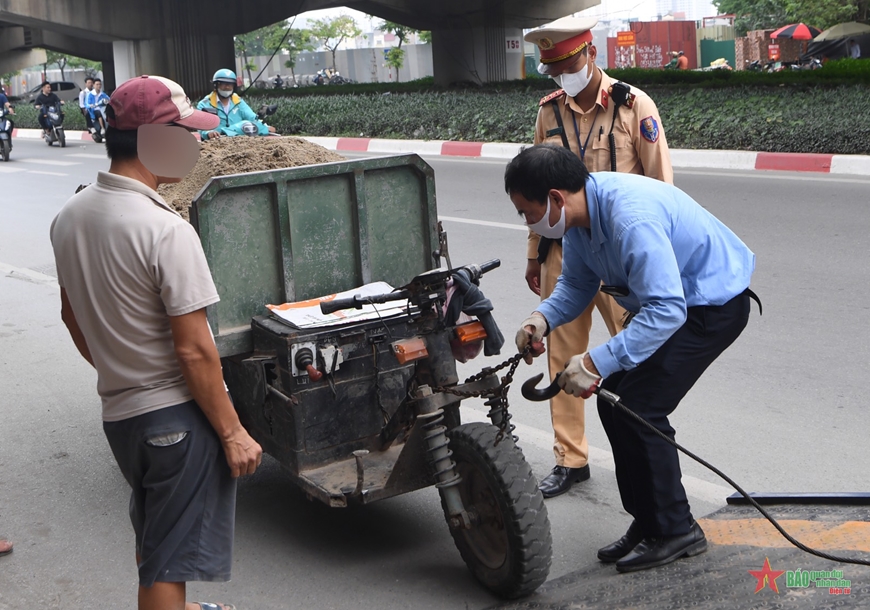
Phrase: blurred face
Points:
(89, 83)
(46, 89)
(225, 87)
(98, 86)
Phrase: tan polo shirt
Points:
(128, 262)
(641, 146)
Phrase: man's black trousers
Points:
(647, 467)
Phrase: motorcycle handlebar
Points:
(357, 301)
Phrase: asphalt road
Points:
(783, 410)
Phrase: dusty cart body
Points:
(368, 410)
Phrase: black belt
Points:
(544, 247)
(748, 292)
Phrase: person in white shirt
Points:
(83, 101)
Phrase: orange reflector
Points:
(471, 332)
(408, 350)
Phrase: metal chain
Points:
(500, 391)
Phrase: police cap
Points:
(562, 39)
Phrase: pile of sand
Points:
(240, 155)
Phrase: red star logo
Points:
(766, 576)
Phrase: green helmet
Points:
(224, 75)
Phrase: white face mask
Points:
(543, 228)
(574, 83)
(224, 94)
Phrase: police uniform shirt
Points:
(641, 145)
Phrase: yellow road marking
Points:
(822, 535)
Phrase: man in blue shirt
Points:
(685, 277)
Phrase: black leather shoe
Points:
(653, 552)
(623, 546)
(561, 479)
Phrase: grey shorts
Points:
(184, 500)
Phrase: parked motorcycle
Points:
(6, 127)
(810, 63)
(55, 119)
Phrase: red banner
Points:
(625, 39)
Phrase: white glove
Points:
(525, 337)
(576, 379)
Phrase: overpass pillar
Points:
(478, 54)
(186, 54)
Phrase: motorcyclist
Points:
(96, 102)
(235, 115)
(83, 102)
(45, 99)
(279, 82)
(5, 105)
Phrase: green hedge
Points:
(803, 111)
(784, 119)
(25, 116)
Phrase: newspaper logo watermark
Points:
(832, 580)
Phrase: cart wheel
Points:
(7, 147)
(509, 547)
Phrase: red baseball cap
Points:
(154, 100)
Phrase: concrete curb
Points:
(701, 159)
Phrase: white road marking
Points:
(601, 458)
(485, 223)
(772, 175)
(5, 169)
(50, 162)
(28, 275)
(88, 156)
(36, 171)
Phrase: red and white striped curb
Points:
(708, 159)
(681, 158)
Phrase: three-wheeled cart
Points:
(368, 410)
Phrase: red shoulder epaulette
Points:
(551, 97)
(629, 102)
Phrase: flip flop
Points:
(209, 606)
(5, 547)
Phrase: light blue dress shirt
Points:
(655, 241)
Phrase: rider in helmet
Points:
(236, 116)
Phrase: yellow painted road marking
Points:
(822, 535)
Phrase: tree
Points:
(396, 59)
(402, 32)
(91, 68)
(425, 37)
(294, 43)
(58, 59)
(822, 13)
(332, 32)
(768, 14)
(257, 43)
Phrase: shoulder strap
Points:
(561, 124)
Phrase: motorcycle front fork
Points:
(447, 479)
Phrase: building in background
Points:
(685, 10)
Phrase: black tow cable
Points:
(530, 392)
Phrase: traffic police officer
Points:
(593, 116)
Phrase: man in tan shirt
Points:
(590, 114)
(134, 285)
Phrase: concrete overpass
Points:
(186, 40)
